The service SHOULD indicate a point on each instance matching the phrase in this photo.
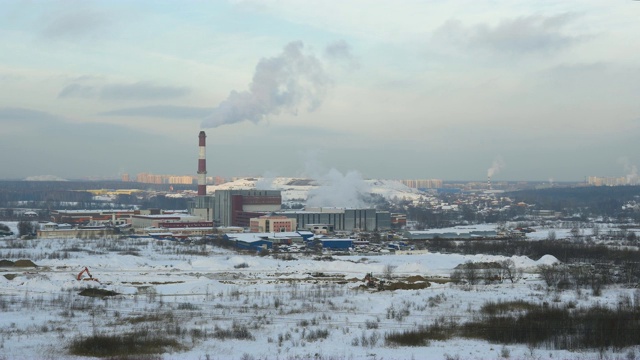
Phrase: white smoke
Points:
(280, 83)
(338, 190)
(498, 164)
(266, 181)
(631, 171)
(313, 165)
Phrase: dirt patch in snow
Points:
(415, 278)
(479, 265)
(25, 263)
(92, 292)
(10, 276)
(6, 263)
(406, 286)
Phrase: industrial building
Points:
(168, 221)
(337, 244)
(342, 219)
(272, 223)
(259, 241)
(80, 217)
(201, 206)
(77, 233)
(457, 232)
(237, 207)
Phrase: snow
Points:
(298, 189)
(164, 275)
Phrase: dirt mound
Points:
(397, 286)
(92, 292)
(479, 265)
(25, 263)
(406, 286)
(10, 276)
(415, 278)
(6, 263)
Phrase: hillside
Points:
(338, 190)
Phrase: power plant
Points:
(202, 164)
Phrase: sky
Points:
(455, 90)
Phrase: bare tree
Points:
(388, 270)
(508, 270)
(471, 273)
(575, 232)
(549, 274)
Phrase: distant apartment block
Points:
(613, 181)
(148, 178)
(423, 183)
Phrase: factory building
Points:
(337, 244)
(237, 207)
(81, 217)
(270, 223)
(259, 241)
(166, 220)
(342, 219)
(201, 206)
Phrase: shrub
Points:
(237, 331)
(440, 330)
(137, 343)
(317, 334)
(187, 306)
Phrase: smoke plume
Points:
(281, 83)
(266, 182)
(497, 165)
(631, 171)
(338, 190)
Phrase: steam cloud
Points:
(280, 83)
(631, 171)
(498, 164)
(266, 181)
(338, 190)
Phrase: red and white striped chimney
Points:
(202, 165)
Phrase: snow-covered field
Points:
(273, 308)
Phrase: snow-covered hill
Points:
(334, 189)
(44, 178)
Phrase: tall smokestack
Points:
(202, 165)
(489, 182)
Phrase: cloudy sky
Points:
(391, 89)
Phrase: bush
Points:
(137, 343)
(422, 336)
(317, 334)
(237, 331)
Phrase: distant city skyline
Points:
(535, 90)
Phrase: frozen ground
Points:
(282, 309)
